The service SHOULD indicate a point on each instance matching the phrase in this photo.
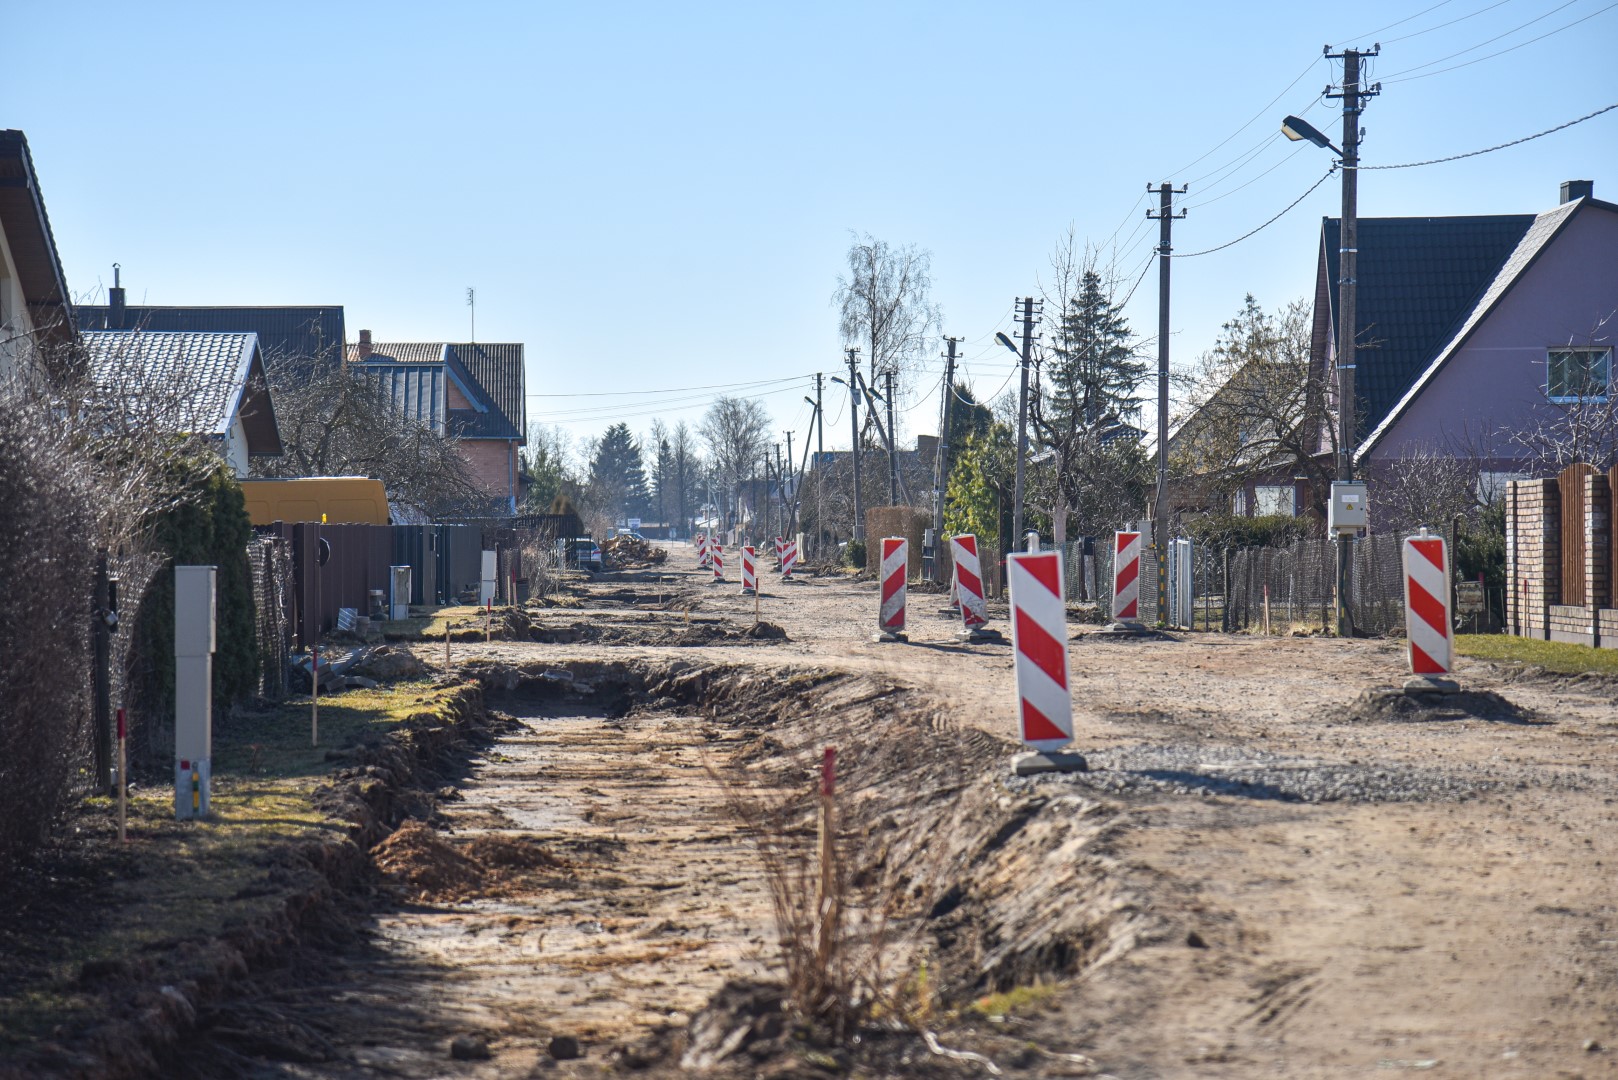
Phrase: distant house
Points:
(1536, 334)
(309, 338)
(34, 304)
(472, 391)
(1470, 331)
(209, 385)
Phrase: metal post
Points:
(1160, 511)
(820, 463)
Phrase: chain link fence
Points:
(269, 560)
(1276, 590)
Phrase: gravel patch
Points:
(1188, 769)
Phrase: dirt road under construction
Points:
(1265, 872)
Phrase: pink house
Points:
(474, 391)
(1530, 349)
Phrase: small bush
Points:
(854, 554)
(1231, 530)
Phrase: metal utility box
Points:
(194, 610)
(398, 592)
(488, 583)
(1347, 511)
(194, 621)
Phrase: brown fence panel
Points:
(1571, 483)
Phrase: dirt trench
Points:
(649, 899)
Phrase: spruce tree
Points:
(617, 477)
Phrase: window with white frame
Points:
(1270, 500)
(1578, 374)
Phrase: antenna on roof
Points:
(472, 302)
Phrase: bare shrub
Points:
(834, 923)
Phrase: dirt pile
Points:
(1383, 705)
(627, 552)
(418, 860)
(389, 663)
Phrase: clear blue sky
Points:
(657, 196)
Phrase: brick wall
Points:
(1533, 555)
(1597, 538)
(1607, 623)
(493, 463)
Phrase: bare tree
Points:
(885, 307)
(1255, 404)
(734, 429)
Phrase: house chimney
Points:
(115, 301)
(364, 350)
(1578, 189)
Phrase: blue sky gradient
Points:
(656, 197)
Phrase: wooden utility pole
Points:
(941, 463)
(820, 462)
(1160, 509)
(102, 620)
(893, 450)
(1347, 340)
(1022, 418)
(854, 422)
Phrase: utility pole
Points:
(820, 463)
(1022, 418)
(893, 451)
(781, 487)
(102, 621)
(1347, 342)
(1160, 511)
(854, 421)
(941, 463)
(787, 524)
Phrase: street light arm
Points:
(1299, 130)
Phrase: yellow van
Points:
(336, 500)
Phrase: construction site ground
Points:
(1272, 868)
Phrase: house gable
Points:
(1557, 288)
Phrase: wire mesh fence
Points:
(1276, 590)
(269, 559)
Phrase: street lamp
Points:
(1346, 342)
(1022, 427)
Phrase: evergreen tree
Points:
(1097, 368)
(978, 496)
(617, 477)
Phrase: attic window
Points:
(1578, 374)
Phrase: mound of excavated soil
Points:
(1396, 706)
(766, 631)
(418, 860)
(497, 851)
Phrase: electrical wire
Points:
(1239, 187)
(1130, 295)
(1406, 76)
(1502, 146)
(1261, 228)
(1256, 118)
(1391, 25)
(1452, 22)
(672, 390)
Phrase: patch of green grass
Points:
(1557, 656)
(183, 881)
(1018, 999)
(429, 626)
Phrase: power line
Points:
(1440, 26)
(1256, 118)
(1266, 225)
(672, 389)
(1254, 180)
(1502, 146)
(1406, 76)
(1391, 25)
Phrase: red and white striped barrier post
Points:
(1039, 638)
(1126, 577)
(892, 581)
(968, 584)
(789, 558)
(702, 549)
(749, 570)
(716, 557)
(1429, 633)
(780, 548)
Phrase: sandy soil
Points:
(1318, 888)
